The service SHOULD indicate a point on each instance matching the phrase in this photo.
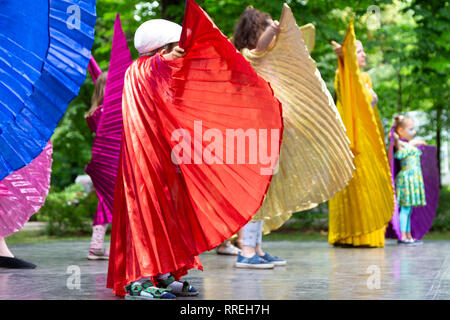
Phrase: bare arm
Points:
(268, 36)
(338, 50)
(416, 143)
(397, 143)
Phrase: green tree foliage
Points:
(393, 69)
(431, 56)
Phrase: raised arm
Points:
(397, 144)
(268, 37)
(338, 50)
(417, 143)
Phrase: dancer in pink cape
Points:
(41, 72)
(105, 119)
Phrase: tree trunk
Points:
(439, 139)
(400, 92)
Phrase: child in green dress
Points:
(410, 190)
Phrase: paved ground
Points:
(314, 271)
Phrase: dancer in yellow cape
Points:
(359, 214)
(315, 159)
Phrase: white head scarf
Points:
(156, 33)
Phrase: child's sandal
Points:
(186, 291)
(147, 291)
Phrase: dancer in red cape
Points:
(180, 191)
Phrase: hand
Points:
(176, 53)
(275, 26)
(337, 48)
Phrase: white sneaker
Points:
(98, 254)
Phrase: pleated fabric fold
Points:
(358, 215)
(104, 162)
(94, 69)
(23, 192)
(421, 217)
(44, 51)
(309, 36)
(315, 161)
(172, 205)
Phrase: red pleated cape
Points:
(165, 212)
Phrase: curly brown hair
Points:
(249, 28)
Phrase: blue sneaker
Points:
(254, 262)
(275, 260)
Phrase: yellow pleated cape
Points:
(358, 215)
(315, 161)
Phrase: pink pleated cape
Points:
(23, 192)
(104, 163)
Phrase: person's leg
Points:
(408, 225)
(179, 288)
(252, 235)
(408, 231)
(264, 255)
(403, 216)
(4, 251)
(144, 288)
(97, 250)
(258, 247)
(7, 259)
(98, 236)
(176, 285)
(249, 238)
(238, 241)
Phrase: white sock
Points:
(176, 286)
(141, 281)
(98, 236)
(163, 276)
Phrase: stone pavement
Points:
(315, 270)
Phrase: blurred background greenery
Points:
(407, 45)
